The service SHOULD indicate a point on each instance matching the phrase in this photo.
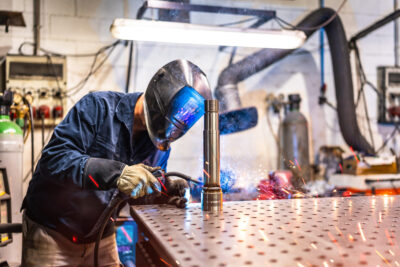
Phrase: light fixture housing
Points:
(194, 34)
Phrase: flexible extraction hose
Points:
(227, 89)
(117, 199)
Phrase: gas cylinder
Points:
(11, 158)
(294, 142)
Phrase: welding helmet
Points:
(174, 101)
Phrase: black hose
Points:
(183, 176)
(32, 133)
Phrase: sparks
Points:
(326, 264)
(355, 155)
(388, 237)
(351, 238)
(383, 258)
(313, 246)
(331, 237)
(341, 167)
(361, 232)
(162, 184)
(206, 173)
(380, 217)
(340, 232)
(126, 234)
(297, 164)
(166, 263)
(264, 236)
(94, 181)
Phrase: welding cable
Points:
(52, 53)
(93, 69)
(32, 130)
(183, 176)
(117, 200)
(293, 27)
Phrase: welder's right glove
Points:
(138, 180)
(173, 193)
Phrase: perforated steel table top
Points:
(358, 231)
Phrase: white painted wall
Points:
(82, 26)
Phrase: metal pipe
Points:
(376, 25)
(36, 26)
(211, 196)
(396, 37)
(321, 49)
(129, 69)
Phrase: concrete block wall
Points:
(82, 26)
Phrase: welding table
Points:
(356, 231)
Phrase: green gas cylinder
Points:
(11, 158)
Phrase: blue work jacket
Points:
(76, 176)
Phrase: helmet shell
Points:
(164, 85)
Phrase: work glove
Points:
(172, 193)
(138, 180)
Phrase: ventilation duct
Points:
(227, 88)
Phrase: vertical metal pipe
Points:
(211, 198)
(321, 49)
(129, 69)
(396, 37)
(36, 26)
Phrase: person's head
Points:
(174, 101)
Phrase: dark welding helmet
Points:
(174, 101)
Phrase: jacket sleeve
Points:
(65, 156)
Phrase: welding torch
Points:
(162, 173)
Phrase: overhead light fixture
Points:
(184, 33)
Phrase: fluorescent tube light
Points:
(184, 33)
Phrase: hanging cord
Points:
(391, 136)
(93, 69)
(361, 92)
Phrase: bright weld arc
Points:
(94, 181)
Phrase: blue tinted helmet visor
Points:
(185, 109)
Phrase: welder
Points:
(108, 142)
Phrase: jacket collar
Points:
(125, 110)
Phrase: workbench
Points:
(354, 231)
